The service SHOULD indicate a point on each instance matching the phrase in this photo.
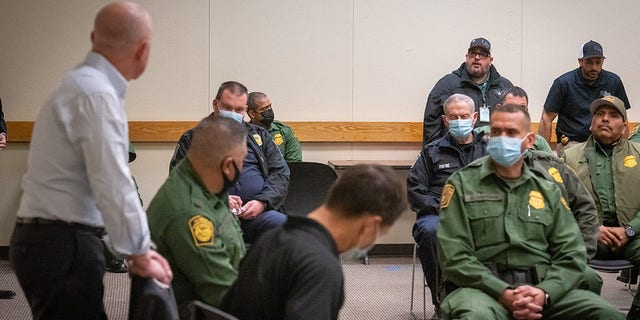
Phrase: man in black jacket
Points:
(476, 78)
(436, 162)
(260, 188)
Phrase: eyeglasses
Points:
(482, 54)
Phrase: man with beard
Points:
(476, 78)
(571, 94)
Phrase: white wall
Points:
(331, 60)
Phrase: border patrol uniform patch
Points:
(630, 161)
(202, 231)
(536, 199)
(447, 193)
(553, 171)
(278, 139)
(258, 139)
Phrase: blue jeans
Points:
(424, 232)
(267, 220)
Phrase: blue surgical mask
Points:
(505, 150)
(460, 128)
(359, 253)
(231, 115)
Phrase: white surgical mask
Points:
(359, 253)
(231, 115)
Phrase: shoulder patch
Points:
(447, 193)
(536, 199)
(278, 139)
(553, 171)
(201, 230)
(258, 139)
(630, 161)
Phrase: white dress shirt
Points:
(77, 166)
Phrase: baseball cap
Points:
(591, 49)
(609, 101)
(480, 42)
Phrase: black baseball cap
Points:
(480, 43)
(591, 49)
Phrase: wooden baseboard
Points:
(306, 131)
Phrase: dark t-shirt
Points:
(570, 97)
(290, 273)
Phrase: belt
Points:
(99, 231)
(513, 276)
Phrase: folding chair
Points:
(309, 183)
(614, 266)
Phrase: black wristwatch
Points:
(628, 230)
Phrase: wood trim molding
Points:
(307, 131)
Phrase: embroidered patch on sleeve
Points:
(630, 161)
(447, 193)
(278, 139)
(536, 199)
(553, 171)
(201, 231)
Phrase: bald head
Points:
(218, 147)
(122, 34)
(215, 138)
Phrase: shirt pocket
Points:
(533, 222)
(486, 219)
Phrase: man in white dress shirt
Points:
(78, 184)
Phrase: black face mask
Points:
(226, 183)
(267, 117)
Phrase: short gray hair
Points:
(459, 97)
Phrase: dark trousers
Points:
(60, 269)
(267, 220)
(424, 232)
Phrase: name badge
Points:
(484, 114)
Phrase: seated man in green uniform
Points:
(607, 164)
(294, 272)
(189, 217)
(517, 95)
(261, 114)
(504, 241)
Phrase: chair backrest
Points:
(309, 183)
(203, 311)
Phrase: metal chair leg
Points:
(424, 286)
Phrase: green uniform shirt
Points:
(520, 223)
(286, 140)
(197, 234)
(581, 203)
(602, 177)
(540, 144)
(625, 173)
